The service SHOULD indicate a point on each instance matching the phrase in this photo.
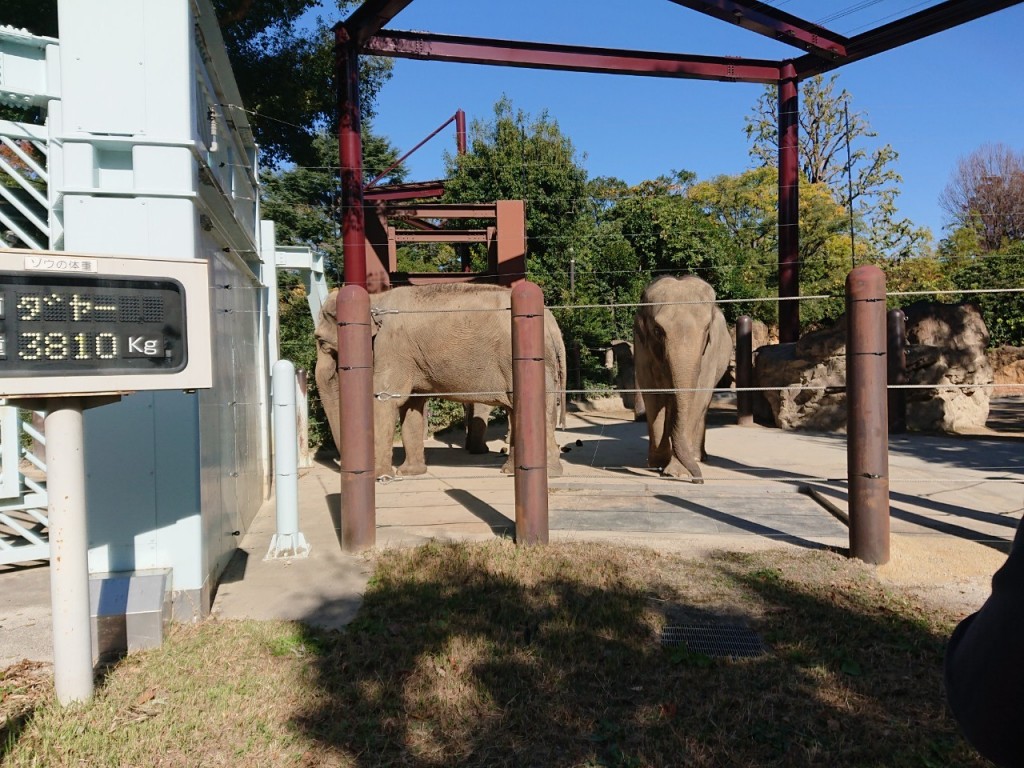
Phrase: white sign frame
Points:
(192, 274)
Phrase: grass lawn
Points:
(493, 655)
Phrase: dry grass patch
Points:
(493, 655)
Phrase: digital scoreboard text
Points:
(85, 324)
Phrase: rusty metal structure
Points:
(388, 225)
(820, 50)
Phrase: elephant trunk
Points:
(684, 364)
(326, 374)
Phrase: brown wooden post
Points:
(355, 395)
(897, 370)
(866, 421)
(529, 425)
(744, 371)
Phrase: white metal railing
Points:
(24, 526)
(24, 208)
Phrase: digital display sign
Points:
(73, 326)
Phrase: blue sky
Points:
(934, 101)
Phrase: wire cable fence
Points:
(604, 457)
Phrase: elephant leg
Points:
(554, 460)
(554, 455)
(509, 467)
(654, 406)
(699, 428)
(477, 416)
(385, 415)
(658, 408)
(413, 424)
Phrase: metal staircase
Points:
(26, 65)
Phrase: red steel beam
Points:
(367, 20)
(442, 236)
(443, 211)
(917, 26)
(406, 191)
(513, 53)
(772, 22)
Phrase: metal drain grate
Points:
(715, 639)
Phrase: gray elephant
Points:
(680, 342)
(432, 339)
(619, 358)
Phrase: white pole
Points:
(69, 551)
(288, 541)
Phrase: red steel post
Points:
(744, 371)
(529, 425)
(355, 396)
(867, 422)
(350, 150)
(897, 369)
(789, 204)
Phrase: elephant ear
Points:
(646, 328)
(326, 331)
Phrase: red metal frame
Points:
(514, 53)
(504, 236)
(772, 22)
(363, 32)
(459, 118)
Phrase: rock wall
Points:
(1007, 370)
(946, 345)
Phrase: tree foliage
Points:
(305, 202)
(746, 207)
(1003, 312)
(867, 181)
(515, 156)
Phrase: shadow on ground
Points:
(455, 661)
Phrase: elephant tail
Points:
(554, 345)
(563, 378)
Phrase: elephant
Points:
(680, 341)
(619, 358)
(430, 339)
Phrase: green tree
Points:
(305, 202)
(869, 182)
(746, 206)
(1003, 312)
(516, 156)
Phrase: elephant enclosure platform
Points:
(955, 505)
(955, 501)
